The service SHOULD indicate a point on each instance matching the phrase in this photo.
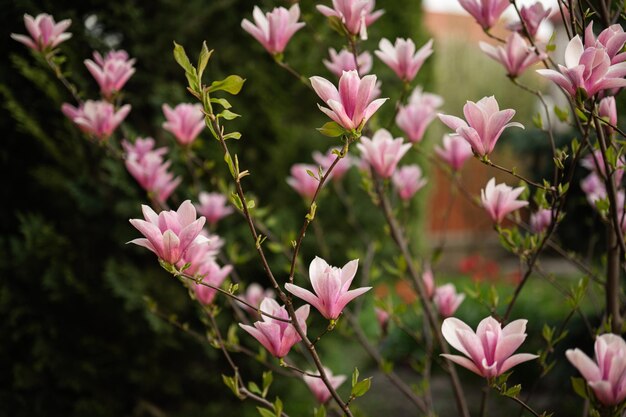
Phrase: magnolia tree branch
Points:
(398, 237)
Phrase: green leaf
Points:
(579, 386)
(267, 382)
(265, 412)
(228, 115)
(362, 387)
(222, 102)
(231, 382)
(203, 60)
(231, 167)
(319, 412)
(253, 387)
(561, 114)
(233, 135)
(231, 84)
(331, 129)
(278, 407)
(181, 57)
(355, 376)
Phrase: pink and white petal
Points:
(344, 299)
(324, 89)
(603, 391)
(305, 295)
(573, 52)
(186, 213)
(516, 326)
(349, 271)
(516, 360)
(144, 243)
(452, 122)
(372, 108)
(463, 361)
(507, 345)
(587, 367)
(449, 329)
(259, 336)
(559, 79)
(316, 269)
(24, 39)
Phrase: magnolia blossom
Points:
(353, 103)
(356, 15)
(408, 180)
(532, 16)
(111, 71)
(500, 200)
(212, 274)
(331, 287)
(489, 351)
(213, 206)
(454, 151)
(540, 220)
(185, 121)
(447, 300)
(327, 159)
(595, 163)
(594, 188)
(170, 233)
(255, 294)
(608, 111)
(611, 38)
(607, 375)
(416, 116)
(485, 123)
(382, 317)
(516, 55)
(44, 32)
(402, 57)
(277, 336)
(274, 29)
(486, 12)
(317, 386)
(383, 152)
(344, 61)
(589, 69)
(147, 166)
(301, 181)
(97, 118)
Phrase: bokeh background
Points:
(77, 337)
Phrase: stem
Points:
(59, 74)
(400, 241)
(483, 402)
(612, 287)
(293, 72)
(308, 219)
(391, 375)
(520, 402)
(486, 161)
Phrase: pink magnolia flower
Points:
(607, 375)
(112, 71)
(212, 274)
(274, 29)
(170, 233)
(595, 163)
(486, 12)
(317, 386)
(540, 220)
(352, 105)
(185, 121)
(608, 110)
(485, 123)
(594, 188)
(589, 69)
(416, 116)
(255, 294)
(428, 278)
(302, 182)
(500, 200)
(488, 352)
(356, 15)
(382, 317)
(454, 151)
(447, 300)
(149, 169)
(402, 57)
(213, 206)
(611, 38)
(516, 55)
(532, 16)
(97, 118)
(44, 32)
(199, 255)
(383, 152)
(277, 336)
(327, 159)
(408, 180)
(344, 61)
(331, 287)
